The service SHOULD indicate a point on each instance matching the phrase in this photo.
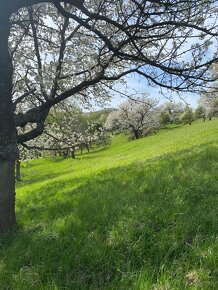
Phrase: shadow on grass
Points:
(136, 226)
(30, 174)
(172, 127)
(35, 179)
(43, 175)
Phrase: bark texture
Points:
(7, 197)
(17, 170)
(8, 140)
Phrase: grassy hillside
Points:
(138, 215)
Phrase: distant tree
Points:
(187, 117)
(170, 112)
(213, 109)
(113, 122)
(200, 112)
(164, 117)
(209, 102)
(209, 99)
(138, 117)
(66, 131)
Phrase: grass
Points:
(138, 215)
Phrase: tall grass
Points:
(137, 215)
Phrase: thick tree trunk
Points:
(7, 197)
(8, 139)
(17, 170)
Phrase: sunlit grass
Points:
(138, 215)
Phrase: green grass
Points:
(138, 215)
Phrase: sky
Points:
(135, 83)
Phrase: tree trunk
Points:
(7, 197)
(136, 134)
(8, 139)
(87, 147)
(17, 170)
(73, 154)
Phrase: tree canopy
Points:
(139, 117)
(77, 48)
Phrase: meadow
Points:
(137, 215)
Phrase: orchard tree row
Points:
(144, 116)
(67, 130)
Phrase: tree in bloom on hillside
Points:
(139, 117)
(170, 112)
(209, 100)
(187, 117)
(66, 131)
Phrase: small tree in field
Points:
(113, 122)
(138, 117)
(164, 117)
(213, 109)
(51, 50)
(187, 116)
(209, 103)
(209, 99)
(170, 112)
(200, 112)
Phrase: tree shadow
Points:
(172, 127)
(104, 231)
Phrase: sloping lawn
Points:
(138, 215)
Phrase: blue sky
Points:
(135, 83)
